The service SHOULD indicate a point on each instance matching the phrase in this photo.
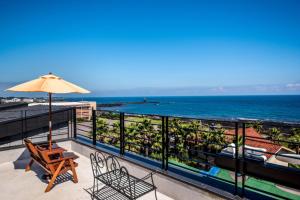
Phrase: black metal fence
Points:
(238, 156)
(34, 126)
(246, 155)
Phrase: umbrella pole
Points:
(50, 123)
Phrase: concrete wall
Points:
(166, 185)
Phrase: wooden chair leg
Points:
(75, 179)
(28, 166)
(54, 176)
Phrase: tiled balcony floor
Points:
(17, 184)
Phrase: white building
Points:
(27, 100)
(13, 100)
(83, 108)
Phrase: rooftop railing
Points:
(239, 156)
(242, 157)
(33, 124)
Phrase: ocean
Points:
(275, 108)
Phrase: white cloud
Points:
(293, 85)
(291, 88)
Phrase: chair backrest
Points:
(124, 183)
(31, 148)
(43, 157)
(113, 169)
(112, 164)
(97, 163)
(101, 159)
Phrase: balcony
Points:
(192, 158)
(18, 184)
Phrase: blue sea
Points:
(274, 108)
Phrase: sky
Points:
(154, 48)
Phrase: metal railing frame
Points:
(239, 160)
(32, 131)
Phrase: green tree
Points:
(217, 139)
(193, 137)
(132, 135)
(146, 130)
(178, 131)
(258, 126)
(143, 137)
(102, 128)
(295, 138)
(274, 134)
(115, 133)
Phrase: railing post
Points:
(167, 143)
(163, 141)
(74, 123)
(122, 136)
(25, 124)
(236, 158)
(22, 124)
(243, 157)
(94, 126)
(69, 122)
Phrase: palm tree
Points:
(142, 137)
(102, 128)
(147, 133)
(115, 133)
(258, 126)
(178, 131)
(295, 138)
(217, 139)
(240, 140)
(132, 133)
(193, 136)
(274, 134)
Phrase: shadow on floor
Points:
(106, 193)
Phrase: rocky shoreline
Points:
(118, 104)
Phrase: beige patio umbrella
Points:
(52, 85)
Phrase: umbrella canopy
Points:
(51, 84)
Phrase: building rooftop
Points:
(176, 177)
(254, 139)
(29, 185)
(7, 106)
(19, 112)
(62, 103)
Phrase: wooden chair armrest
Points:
(59, 160)
(44, 143)
(54, 151)
(68, 157)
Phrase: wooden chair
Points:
(55, 163)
